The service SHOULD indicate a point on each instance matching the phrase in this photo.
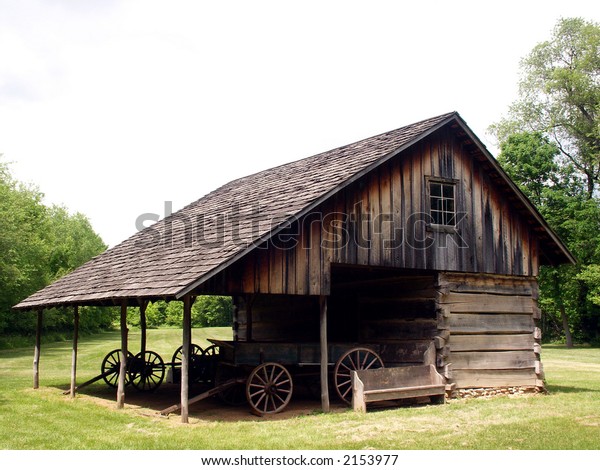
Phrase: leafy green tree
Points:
(212, 310)
(529, 158)
(559, 95)
(22, 220)
(174, 314)
(38, 244)
(71, 241)
(156, 314)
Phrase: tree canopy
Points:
(559, 95)
(39, 244)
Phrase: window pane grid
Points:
(442, 204)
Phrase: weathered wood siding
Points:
(382, 219)
(491, 338)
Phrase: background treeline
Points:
(39, 244)
(207, 310)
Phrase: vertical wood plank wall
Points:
(491, 337)
(380, 220)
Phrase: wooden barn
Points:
(413, 243)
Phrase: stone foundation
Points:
(495, 392)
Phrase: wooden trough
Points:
(395, 383)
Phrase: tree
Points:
(38, 244)
(529, 158)
(71, 241)
(212, 310)
(23, 218)
(559, 95)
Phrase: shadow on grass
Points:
(567, 389)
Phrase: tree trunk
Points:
(565, 323)
(563, 312)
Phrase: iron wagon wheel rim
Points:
(147, 371)
(269, 388)
(111, 367)
(195, 350)
(354, 359)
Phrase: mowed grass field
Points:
(568, 417)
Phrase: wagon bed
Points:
(242, 353)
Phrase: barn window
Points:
(442, 202)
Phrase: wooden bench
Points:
(395, 383)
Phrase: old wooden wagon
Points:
(408, 237)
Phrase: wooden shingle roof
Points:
(183, 250)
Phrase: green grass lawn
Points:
(566, 418)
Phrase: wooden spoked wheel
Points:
(354, 359)
(147, 371)
(269, 388)
(195, 350)
(111, 367)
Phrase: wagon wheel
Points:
(111, 367)
(236, 394)
(195, 363)
(210, 360)
(195, 350)
(354, 359)
(269, 388)
(147, 371)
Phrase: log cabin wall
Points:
(383, 219)
(487, 330)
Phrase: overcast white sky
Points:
(113, 107)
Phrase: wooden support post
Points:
(37, 349)
(143, 327)
(249, 300)
(324, 358)
(74, 354)
(123, 370)
(235, 324)
(185, 357)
